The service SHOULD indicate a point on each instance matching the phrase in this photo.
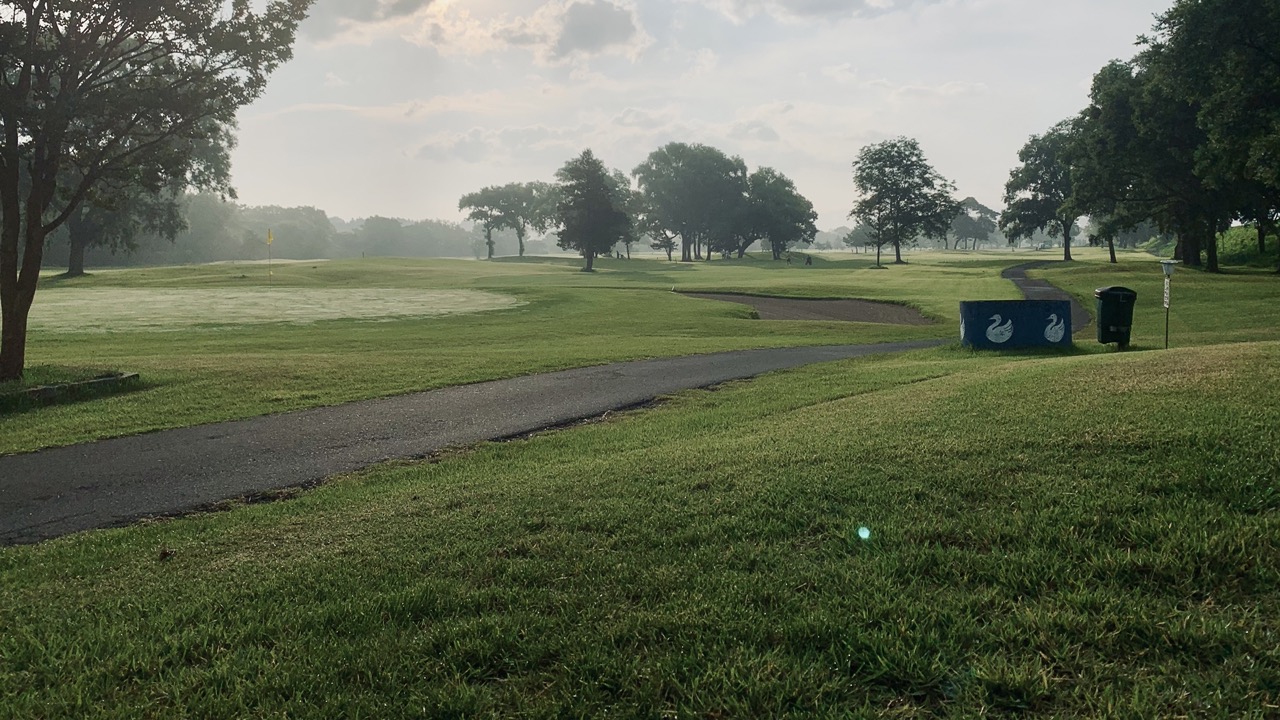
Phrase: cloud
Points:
(489, 145)
(754, 130)
(329, 18)
(801, 10)
(555, 31)
(592, 26)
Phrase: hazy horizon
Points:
(396, 108)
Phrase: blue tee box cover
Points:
(1008, 324)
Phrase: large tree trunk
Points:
(1066, 238)
(488, 240)
(591, 260)
(75, 258)
(1189, 243)
(1262, 238)
(878, 246)
(17, 292)
(520, 238)
(1111, 245)
(686, 248)
(897, 253)
(78, 233)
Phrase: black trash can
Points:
(1115, 315)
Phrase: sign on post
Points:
(1166, 293)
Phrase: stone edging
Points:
(53, 394)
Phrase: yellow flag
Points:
(269, 238)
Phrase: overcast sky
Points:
(398, 107)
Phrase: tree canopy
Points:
(92, 91)
(694, 192)
(1184, 135)
(514, 206)
(902, 196)
(974, 223)
(1038, 194)
(591, 214)
(777, 212)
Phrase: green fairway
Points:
(1094, 534)
(199, 338)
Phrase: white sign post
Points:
(1168, 266)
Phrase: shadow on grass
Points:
(35, 394)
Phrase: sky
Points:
(399, 107)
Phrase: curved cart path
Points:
(113, 482)
(1035, 289)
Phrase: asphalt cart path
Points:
(1035, 289)
(113, 482)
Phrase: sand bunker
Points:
(172, 309)
(776, 308)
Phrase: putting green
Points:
(171, 309)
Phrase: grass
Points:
(214, 371)
(1238, 305)
(1085, 535)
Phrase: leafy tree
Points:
(1038, 194)
(693, 192)
(777, 212)
(301, 233)
(489, 209)
(92, 91)
(592, 212)
(859, 237)
(1220, 57)
(119, 209)
(903, 197)
(1135, 159)
(515, 206)
(974, 223)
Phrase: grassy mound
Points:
(1081, 536)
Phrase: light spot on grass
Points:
(173, 309)
(864, 533)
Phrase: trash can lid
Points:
(1115, 292)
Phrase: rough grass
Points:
(1084, 536)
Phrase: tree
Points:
(974, 223)
(488, 208)
(903, 197)
(859, 237)
(1135, 159)
(93, 91)
(1220, 57)
(116, 212)
(592, 210)
(301, 233)
(777, 212)
(1038, 194)
(692, 192)
(515, 206)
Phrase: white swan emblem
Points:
(997, 333)
(1057, 328)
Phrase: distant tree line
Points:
(688, 197)
(206, 227)
(1183, 139)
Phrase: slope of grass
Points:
(1080, 536)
